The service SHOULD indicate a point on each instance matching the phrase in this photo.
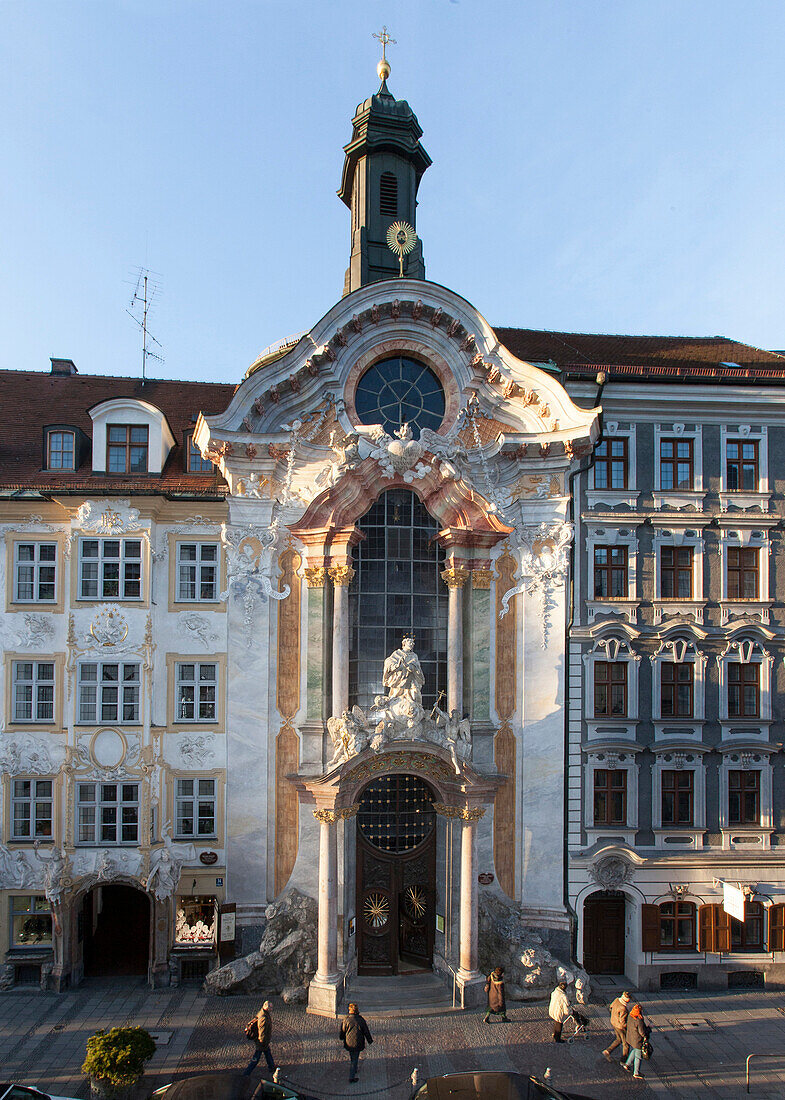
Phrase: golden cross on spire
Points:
(385, 40)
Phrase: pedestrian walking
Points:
(264, 1031)
(559, 1009)
(353, 1034)
(620, 1010)
(637, 1034)
(494, 987)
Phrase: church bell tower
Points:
(381, 174)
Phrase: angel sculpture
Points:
(456, 734)
(349, 735)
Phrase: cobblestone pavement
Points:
(700, 1043)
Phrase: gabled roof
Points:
(653, 357)
(31, 400)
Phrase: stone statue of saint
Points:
(402, 675)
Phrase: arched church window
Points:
(388, 195)
(400, 391)
(397, 589)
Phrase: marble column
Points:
(316, 577)
(327, 956)
(341, 575)
(455, 578)
(468, 926)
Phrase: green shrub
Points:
(118, 1055)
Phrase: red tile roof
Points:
(32, 399)
(660, 357)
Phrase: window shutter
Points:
(776, 928)
(707, 928)
(650, 927)
(723, 929)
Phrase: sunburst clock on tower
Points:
(401, 239)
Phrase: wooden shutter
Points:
(714, 928)
(776, 928)
(650, 927)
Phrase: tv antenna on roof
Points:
(142, 299)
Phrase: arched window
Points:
(388, 195)
(397, 589)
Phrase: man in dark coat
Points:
(353, 1034)
(494, 987)
(264, 1024)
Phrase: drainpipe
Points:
(580, 469)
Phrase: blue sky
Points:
(598, 166)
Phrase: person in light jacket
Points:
(494, 987)
(353, 1034)
(637, 1031)
(264, 1023)
(559, 1009)
(620, 1010)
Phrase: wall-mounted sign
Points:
(351, 926)
(733, 900)
(219, 882)
(228, 926)
(208, 857)
(439, 922)
(485, 878)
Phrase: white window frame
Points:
(198, 566)
(679, 650)
(60, 431)
(613, 498)
(36, 566)
(32, 801)
(609, 535)
(746, 651)
(194, 800)
(612, 650)
(611, 759)
(745, 498)
(197, 684)
(38, 685)
(747, 537)
(679, 498)
(103, 688)
(95, 807)
(679, 759)
(753, 759)
(677, 537)
(123, 561)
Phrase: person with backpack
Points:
(638, 1032)
(353, 1034)
(494, 987)
(261, 1035)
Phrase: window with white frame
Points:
(678, 572)
(197, 572)
(679, 791)
(60, 450)
(107, 813)
(35, 572)
(31, 809)
(108, 692)
(110, 569)
(745, 556)
(611, 692)
(611, 793)
(612, 475)
(33, 688)
(678, 465)
(745, 682)
(745, 466)
(195, 814)
(746, 804)
(31, 921)
(612, 553)
(196, 690)
(678, 682)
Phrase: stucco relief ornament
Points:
(197, 750)
(253, 486)
(35, 631)
(108, 628)
(399, 455)
(169, 861)
(346, 457)
(544, 564)
(57, 873)
(25, 755)
(107, 517)
(399, 715)
(15, 871)
(194, 625)
(249, 552)
(612, 872)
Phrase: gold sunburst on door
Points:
(376, 910)
(414, 900)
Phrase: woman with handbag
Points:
(638, 1032)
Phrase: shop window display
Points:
(31, 922)
(196, 920)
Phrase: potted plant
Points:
(115, 1061)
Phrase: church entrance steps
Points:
(419, 994)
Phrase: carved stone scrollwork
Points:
(544, 564)
(443, 810)
(345, 812)
(611, 872)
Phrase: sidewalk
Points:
(43, 1037)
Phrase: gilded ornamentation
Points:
(471, 814)
(341, 575)
(109, 628)
(455, 578)
(326, 817)
(316, 576)
(346, 812)
(481, 578)
(404, 761)
(443, 810)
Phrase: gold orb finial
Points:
(383, 68)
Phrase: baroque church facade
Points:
(418, 611)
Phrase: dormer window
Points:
(61, 450)
(194, 463)
(126, 448)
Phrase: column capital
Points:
(316, 576)
(443, 810)
(326, 817)
(455, 578)
(471, 814)
(481, 578)
(341, 575)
